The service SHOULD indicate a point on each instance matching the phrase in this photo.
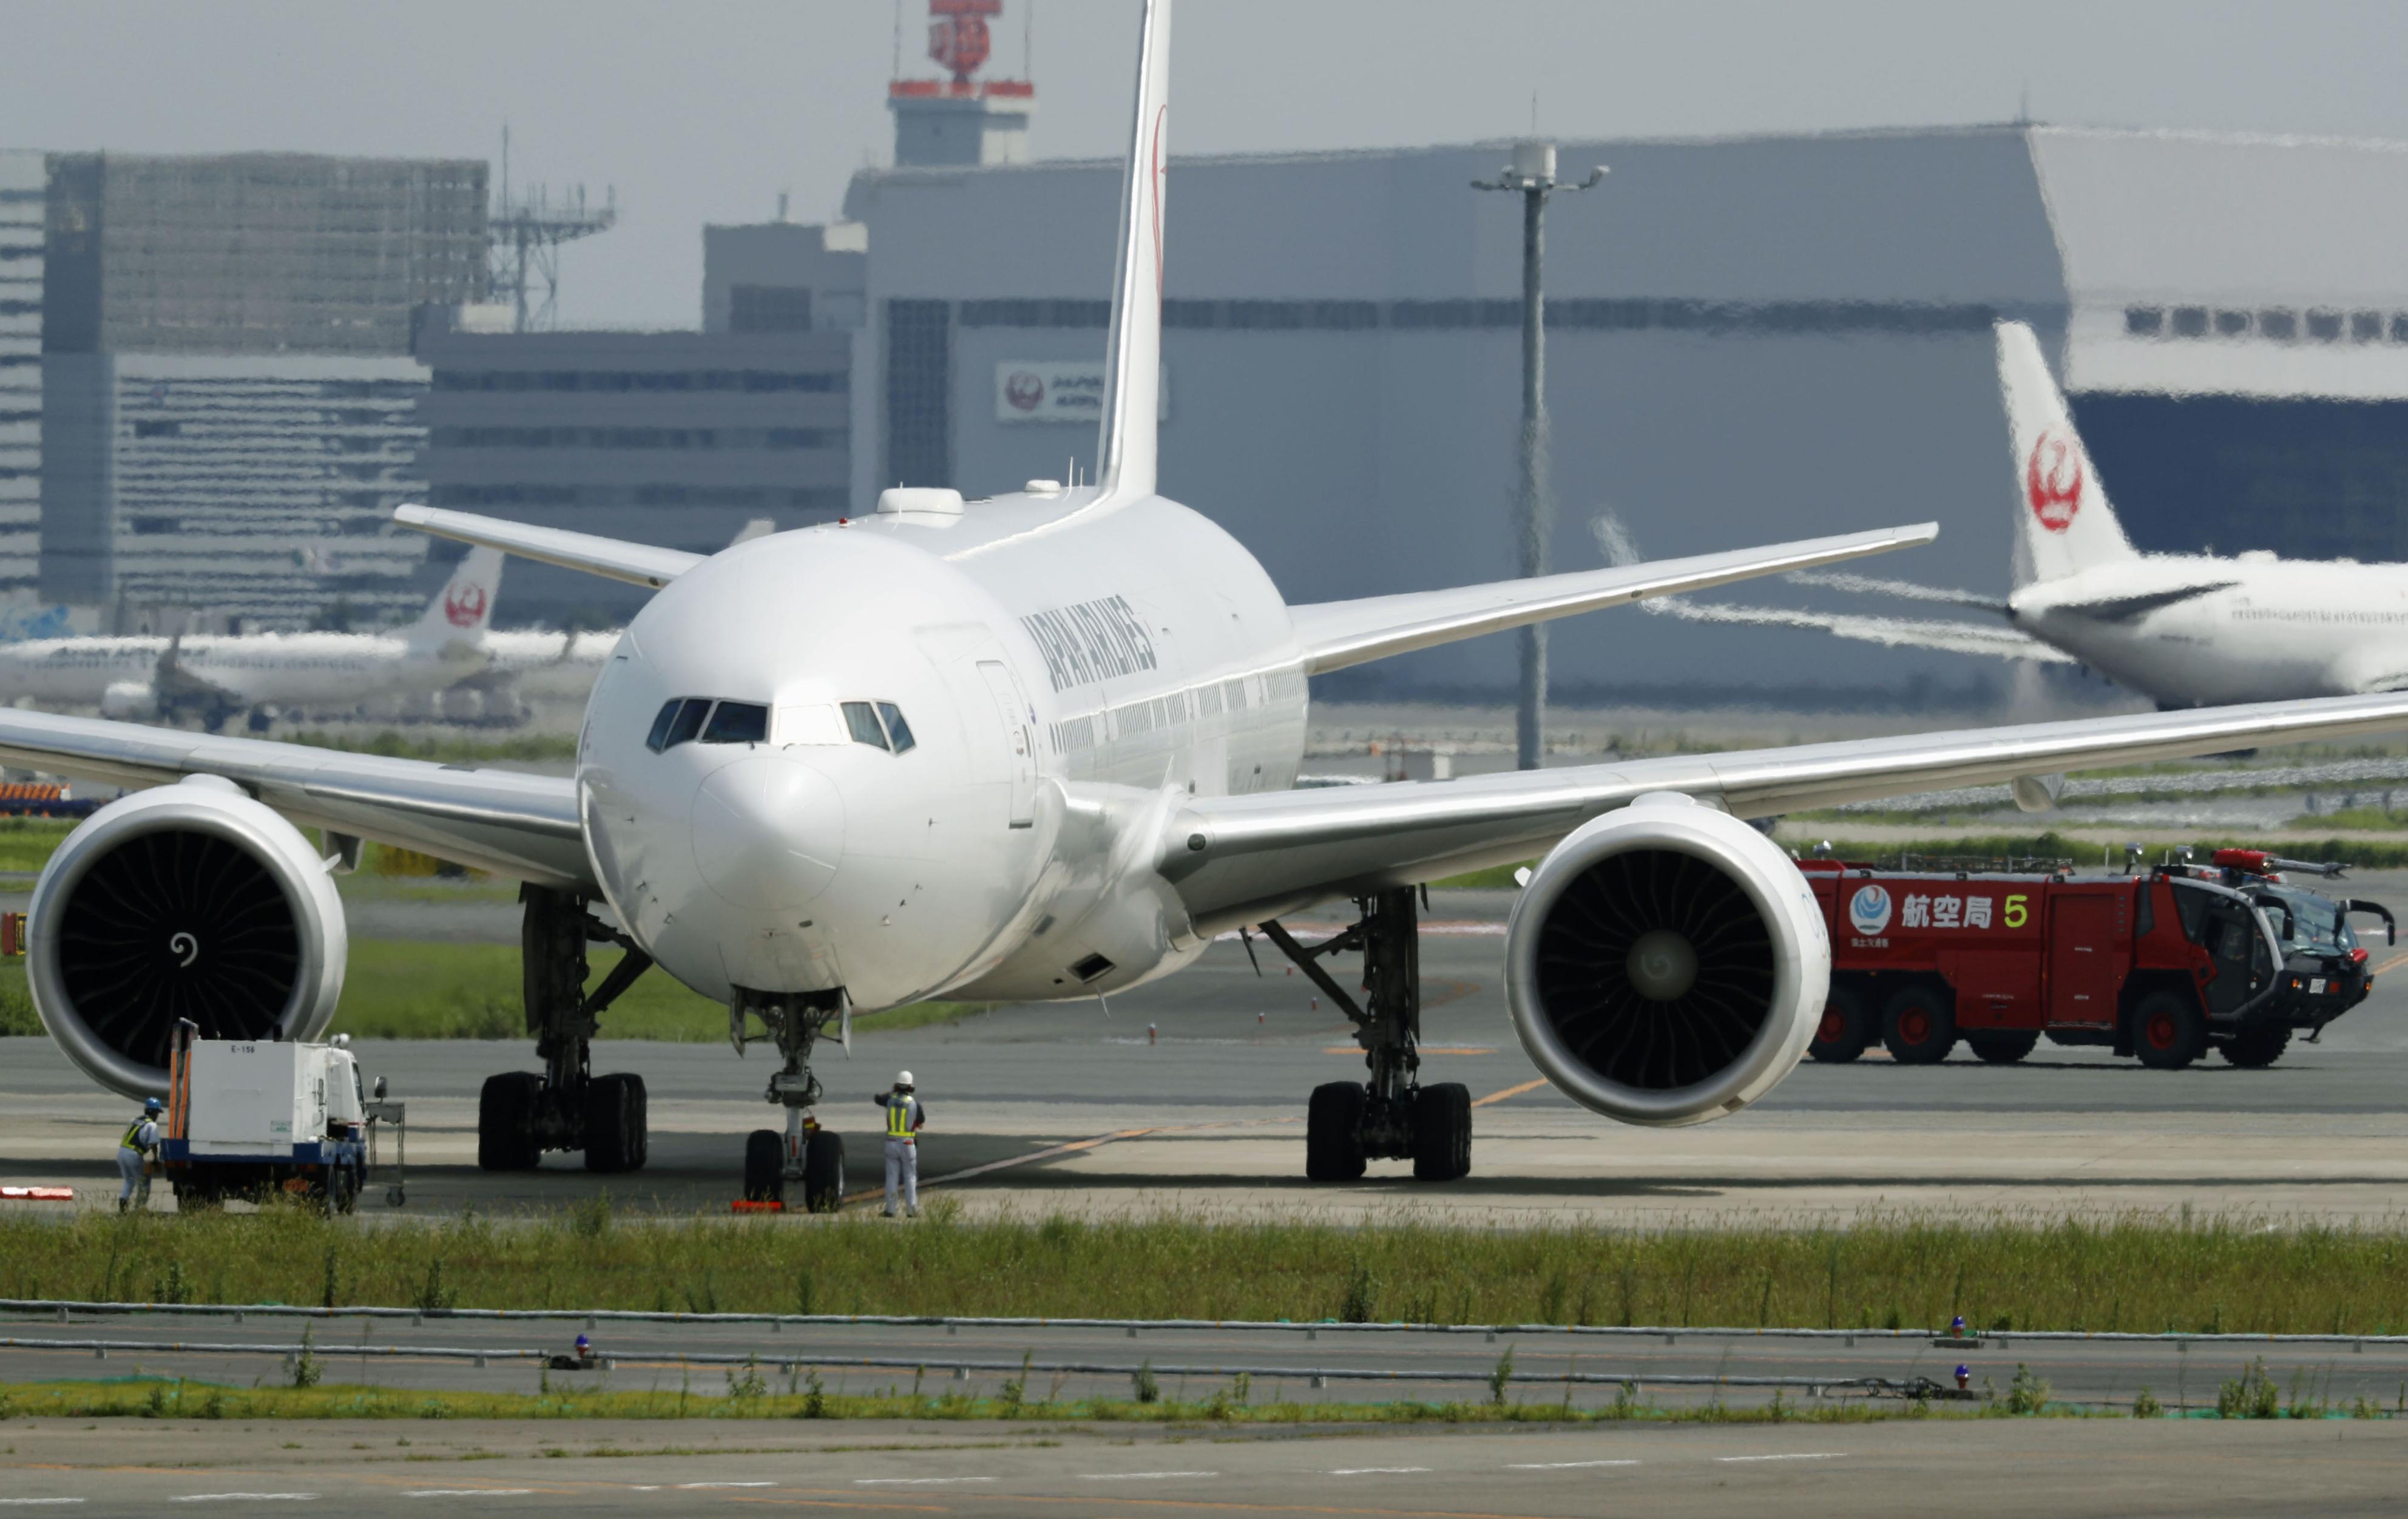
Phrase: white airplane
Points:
(2184, 630)
(1035, 747)
(221, 675)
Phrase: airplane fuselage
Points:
(288, 667)
(1067, 678)
(2196, 631)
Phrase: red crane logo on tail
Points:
(464, 604)
(2053, 479)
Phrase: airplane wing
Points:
(637, 563)
(1337, 634)
(1895, 632)
(525, 826)
(1239, 859)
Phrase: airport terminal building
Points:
(1749, 340)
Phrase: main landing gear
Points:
(520, 1114)
(804, 1156)
(1392, 1116)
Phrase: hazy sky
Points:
(704, 111)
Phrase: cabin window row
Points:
(1212, 699)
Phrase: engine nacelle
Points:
(1666, 964)
(185, 901)
(129, 700)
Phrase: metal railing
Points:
(63, 1309)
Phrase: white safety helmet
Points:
(903, 1078)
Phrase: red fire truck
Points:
(2163, 964)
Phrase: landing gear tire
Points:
(2168, 1032)
(1333, 1142)
(1846, 1027)
(2253, 1049)
(616, 1115)
(824, 1172)
(2003, 1049)
(1919, 1028)
(1442, 1133)
(505, 1139)
(765, 1165)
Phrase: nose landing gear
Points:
(520, 1115)
(805, 1154)
(1392, 1116)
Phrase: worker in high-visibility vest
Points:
(904, 1116)
(142, 1142)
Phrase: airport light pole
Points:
(1532, 175)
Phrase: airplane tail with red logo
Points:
(464, 609)
(2063, 522)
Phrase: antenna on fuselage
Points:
(1124, 451)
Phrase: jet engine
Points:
(190, 901)
(1666, 964)
(131, 700)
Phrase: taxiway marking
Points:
(1509, 1092)
(1792, 1455)
(1563, 1466)
(1140, 1476)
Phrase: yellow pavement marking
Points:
(1509, 1092)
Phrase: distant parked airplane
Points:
(219, 676)
(2184, 630)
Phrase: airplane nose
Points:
(767, 831)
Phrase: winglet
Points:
(637, 563)
(1133, 373)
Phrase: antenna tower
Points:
(524, 233)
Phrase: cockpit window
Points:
(660, 735)
(862, 720)
(898, 732)
(677, 722)
(738, 722)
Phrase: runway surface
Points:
(1971, 1467)
(1189, 1095)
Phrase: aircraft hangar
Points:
(1748, 340)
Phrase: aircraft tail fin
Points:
(464, 609)
(1133, 365)
(2063, 521)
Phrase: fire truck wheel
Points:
(2255, 1048)
(2168, 1032)
(2003, 1049)
(1918, 1026)
(1845, 1030)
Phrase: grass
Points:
(26, 843)
(452, 748)
(401, 989)
(2355, 819)
(2144, 1274)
